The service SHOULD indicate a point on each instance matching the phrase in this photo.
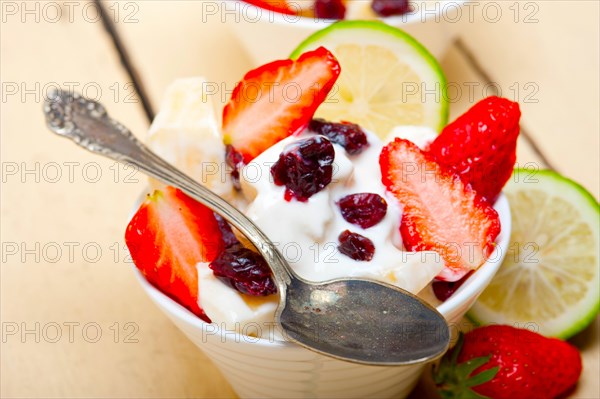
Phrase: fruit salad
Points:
(336, 9)
(337, 199)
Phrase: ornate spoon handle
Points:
(87, 123)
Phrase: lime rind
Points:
(565, 334)
(550, 174)
(577, 317)
(379, 28)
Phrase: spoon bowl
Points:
(333, 318)
(338, 318)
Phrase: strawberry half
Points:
(481, 145)
(503, 362)
(277, 100)
(169, 234)
(440, 212)
(280, 6)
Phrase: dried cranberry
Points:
(363, 209)
(444, 289)
(356, 246)
(245, 270)
(227, 233)
(235, 160)
(330, 9)
(386, 8)
(348, 135)
(304, 168)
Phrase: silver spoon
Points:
(357, 320)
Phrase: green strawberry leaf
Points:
(483, 377)
(465, 369)
(454, 380)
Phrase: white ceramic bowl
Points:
(267, 35)
(266, 368)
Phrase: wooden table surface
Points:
(75, 324)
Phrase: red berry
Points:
(304, 168)
(244, 270)
(330, 9)
(363, 209)
(444, 289)
(387, 8)
(235, 161)
(481, 145)
(348, 135)
(229, 237)
(356, 246)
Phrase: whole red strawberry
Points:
(505, 362)
(481, 145)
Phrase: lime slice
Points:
(388, 78)
(550, 277)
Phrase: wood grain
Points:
(168, 40)
(95, 290)
(546, 54)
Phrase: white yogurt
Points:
(307, 232)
